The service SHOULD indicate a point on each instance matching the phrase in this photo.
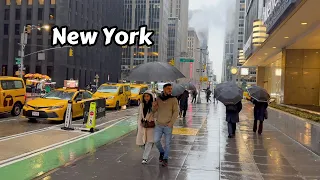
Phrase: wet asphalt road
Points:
(10, 125)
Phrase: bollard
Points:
(68, 117)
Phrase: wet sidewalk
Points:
(200, 150)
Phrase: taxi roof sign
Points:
(71, 83)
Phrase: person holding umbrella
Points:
(232, 117)
(183, 102)
(260, 98)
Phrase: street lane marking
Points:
(51, 147)
(185, 131)
(6, 120)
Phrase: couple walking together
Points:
(156, 117)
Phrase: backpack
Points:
(232, 108)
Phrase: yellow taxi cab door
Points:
(77, 105)
(121, 96)
(7, 95)
(87, 96)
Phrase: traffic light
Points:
(171, 62)
(204, 67)
(70, 52)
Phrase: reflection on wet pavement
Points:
(205, 155)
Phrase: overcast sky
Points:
(212, 15)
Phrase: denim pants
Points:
(158, 132)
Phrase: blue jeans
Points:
(158, 132)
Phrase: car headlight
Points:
(110, 97)
(55, 107)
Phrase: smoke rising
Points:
(212, 19)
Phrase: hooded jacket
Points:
(167, 111)
(144, 135)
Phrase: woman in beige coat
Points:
(145, 135)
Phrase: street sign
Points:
(186, 60)
(204, 79)
(198, 70)
(18, 60)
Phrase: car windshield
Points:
(59, 95)
(108, 89)
(135, 90)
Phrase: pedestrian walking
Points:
(183, 103)
(232, 117)
(167, 110)
(146, 125)
(260, 114)
(215, 98)
(194, 96)
(208, 95)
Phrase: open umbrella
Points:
(177, 89)
(258, 93)
(221, 86)
(230, 95)
(189, 86)
(155, 71)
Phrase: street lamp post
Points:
(96, 79)
(201, 72)
(24, 38)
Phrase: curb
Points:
(37, 164)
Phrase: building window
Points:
(29, 14)
(17, 29)
(53, 1)
(6, 29)
(38, 69)
(52, 13)
(18, 2)
(18, 14)
(40, 14)
(41, 2)
(30, 2)
(7, 14)
(8, 2)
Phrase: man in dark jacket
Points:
(194, 96)
(259, 112)
(232, 117)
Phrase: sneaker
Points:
(144, 161)
(161, 157)
(165, 163)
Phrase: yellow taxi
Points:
(12, 95)
(136, 92)
(53, 105)
(246, 96)
(115, 95)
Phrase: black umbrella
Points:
(229, 95)
(189, 86)
(155, 71)
(258, 93)
(221, 86)
(177, 89)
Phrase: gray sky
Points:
(212, 14)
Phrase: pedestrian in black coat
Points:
(232, 117)
(260, 114)
(183, 102)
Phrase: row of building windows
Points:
(52, 13)
(30, 2)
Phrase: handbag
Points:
(147, 124)
(266, 114)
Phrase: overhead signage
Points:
(273, 11)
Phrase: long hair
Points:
(148, 105)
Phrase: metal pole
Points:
(200, 84)
(22, 51)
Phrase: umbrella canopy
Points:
(177, 89)
(155, 71)
(189, 86)
(230, 95)
(221, 86)
(258, 93)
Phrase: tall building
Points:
(239, 30)
(180, 9)
(228, 57)
(174, 41)
(154, 14)
(192, 69)
(76, 14)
